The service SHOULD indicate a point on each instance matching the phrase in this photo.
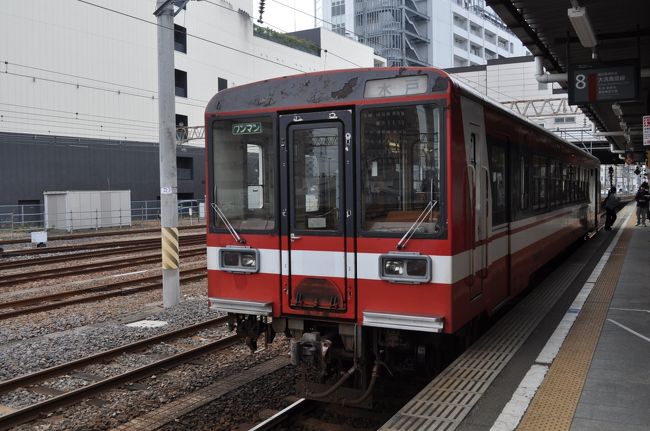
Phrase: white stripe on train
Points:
(446, 269)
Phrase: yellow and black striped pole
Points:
(170, 259)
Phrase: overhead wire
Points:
(191, 35)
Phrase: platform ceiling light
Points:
(581, 24)
(617, 110)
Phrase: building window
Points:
(460, 42)
(338, 7)
(222, 84)
(185, 168)
(460, 21)
(475, 29)
(564, 120)
(339, 28)
(476, 50)
(502, 43)
(180, 80)
(542, 86)
(180, 38)
(181, 121)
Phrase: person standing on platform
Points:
(641, 199)
(610, 204)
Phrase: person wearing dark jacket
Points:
(642, 197)
(610, 204)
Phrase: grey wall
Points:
(32, 164)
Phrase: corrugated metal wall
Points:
(32, 164)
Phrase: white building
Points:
(441, 33)
(89, 70)
(512, 82)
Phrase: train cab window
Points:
(400, 169)
(243, 185)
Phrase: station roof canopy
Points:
(622, 33)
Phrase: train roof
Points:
(339, 86)
(333, 86)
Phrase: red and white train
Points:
(370, 213)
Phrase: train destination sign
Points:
(601, 82)
(391, 87)
(246, 128)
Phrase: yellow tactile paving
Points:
(555, 403)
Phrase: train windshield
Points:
(400, 168)
(243, 173)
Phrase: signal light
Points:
(261, 9)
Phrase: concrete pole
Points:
(167, 138)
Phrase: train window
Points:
(524, 173)
(243, 155)
(498, 180)
(315, 174)
(538, 182)
(555, 183)
(400, 164)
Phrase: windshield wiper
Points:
(225, 221)
(416, 224)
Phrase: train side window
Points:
(498, 181)
(538, 171)
(524, 172)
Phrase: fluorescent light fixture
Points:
(617, 110)
(623, 125)
(581, 24)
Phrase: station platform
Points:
(574, 354)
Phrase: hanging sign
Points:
(646, 130)
(602, 82)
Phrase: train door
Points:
(478, 178)
(317, 243)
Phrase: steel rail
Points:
(284, 415)
(92, 254)
(114, 290)
(25, 277)
(97, 234)
(35, 410)
(91, 246)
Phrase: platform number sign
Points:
(247, 128)
(600, 82)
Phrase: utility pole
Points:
(167, 138)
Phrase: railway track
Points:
(35, 410)
(96, 234)
(109, 290)
(118, 245)
(30, 276)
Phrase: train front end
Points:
(328, 217)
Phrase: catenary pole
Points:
(167, 139)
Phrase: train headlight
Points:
(394, 267)
(249, 260)
(405, 268)
(239, 259)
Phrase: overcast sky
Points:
(278, 15)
